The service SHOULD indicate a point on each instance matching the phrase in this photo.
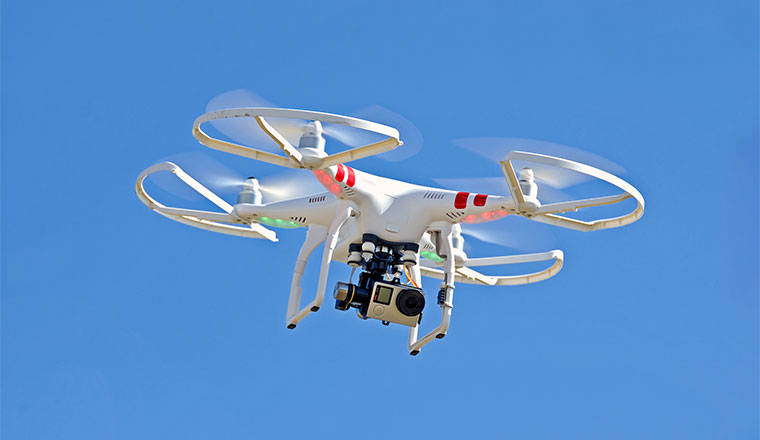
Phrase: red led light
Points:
(327, 181)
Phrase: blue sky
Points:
(117, 323)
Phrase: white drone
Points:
(379, 225)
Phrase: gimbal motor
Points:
(373, 295)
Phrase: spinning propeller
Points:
(495, 148)
(550, 182)
(296, 131)
(227, 182)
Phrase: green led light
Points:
(278, 223)
(432, 256)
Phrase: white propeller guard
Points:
(464, 273)
(293, 160)
(210, 221)
(547, 213)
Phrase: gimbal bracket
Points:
(314, 236)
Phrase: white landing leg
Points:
(443, 240)
(315, 235)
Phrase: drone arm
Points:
(210, 221)
(233, 148)
(203, 215)
(467, 275)
(577, 204)
(547, 213)
(466, 272)
(188, 180)
(514, 184)
(314, 236)
(281, 141)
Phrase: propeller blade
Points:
(290, 184)
(409, 134)
(225, 181)
(350, 136)
(495, 148)
(247, 132)
(513, 232)
(217, 177)
(238, 98)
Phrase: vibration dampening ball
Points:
(410, 258)
(368, 250)
(354, 259)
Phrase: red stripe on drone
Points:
(351, 177)
(341, 173)
(480, 200)
(460, 201)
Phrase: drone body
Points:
(378, 225)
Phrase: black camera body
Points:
(373, 295)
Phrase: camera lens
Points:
(410, 302)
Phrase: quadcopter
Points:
(392, 231)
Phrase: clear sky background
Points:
(118, 323)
